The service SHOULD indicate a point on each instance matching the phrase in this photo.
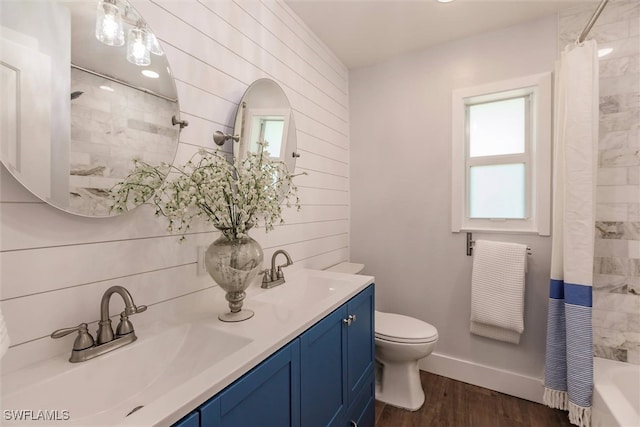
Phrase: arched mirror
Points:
(264, 114)
(84, 89)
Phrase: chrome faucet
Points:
(274, 277)
(85, 347)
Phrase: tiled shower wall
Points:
(616, 296)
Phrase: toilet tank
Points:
(347, 267)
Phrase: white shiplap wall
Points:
(55, 266)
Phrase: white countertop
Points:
(281, 314)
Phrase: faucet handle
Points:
(84, 339)
(140, 309)
(125, 326)
(135, 309)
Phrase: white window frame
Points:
(537, 156)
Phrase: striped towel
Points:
(497, 290)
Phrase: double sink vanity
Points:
(305, 358)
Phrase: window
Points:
(270, 125)
(501, 156)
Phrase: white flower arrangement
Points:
(232, 196)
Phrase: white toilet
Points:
(401, 341)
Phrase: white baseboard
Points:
(506, 382)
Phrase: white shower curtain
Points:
(569, 353)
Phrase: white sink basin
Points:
(304, 292)
(105, 389)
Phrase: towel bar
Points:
(471, 242)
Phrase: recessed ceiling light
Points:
(604, 51)
(107, 88)
(150, 74)
(444, 1)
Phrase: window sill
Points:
(500, 231)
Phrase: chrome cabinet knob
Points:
(349, 320)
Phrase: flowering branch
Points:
(232, 196)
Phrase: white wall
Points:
(400, 185)
(55, 266)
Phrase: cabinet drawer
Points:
(361, 411)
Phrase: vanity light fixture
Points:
(111, 17)
(109, 29)
(137, 46)
(151, 74)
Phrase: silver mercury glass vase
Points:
(233, 263)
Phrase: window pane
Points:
(497, 128)
(497, 191)
(269, 129)
(272, 133)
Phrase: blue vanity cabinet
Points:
(336, 366)
(191, 420)
(324, 377)
(267, 396)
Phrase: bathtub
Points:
(616, 394)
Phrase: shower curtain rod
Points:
(592, 21)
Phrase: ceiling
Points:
(364, 32)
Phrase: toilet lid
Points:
(399, 328)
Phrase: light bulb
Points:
(137, 51)
(154, 46)
(109, 28)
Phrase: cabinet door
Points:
(267, 396)
(360, 339)
(191, 420)
(322, 370)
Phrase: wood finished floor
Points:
(451, 403)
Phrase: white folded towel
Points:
(4, 336)
(497, 290)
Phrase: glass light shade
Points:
(137, 52)
(497, 128)
(109, 29)
(153, 45)
(497, 191)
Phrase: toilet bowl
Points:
(401, 341)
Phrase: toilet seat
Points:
(403, 329)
